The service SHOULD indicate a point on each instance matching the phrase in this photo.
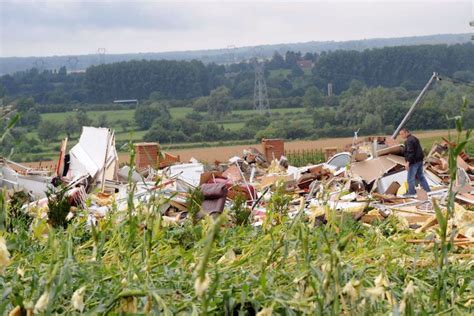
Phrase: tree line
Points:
(405, 66)
(369, 110)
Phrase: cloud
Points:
(94, 15)
(75, 27)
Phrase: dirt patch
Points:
(211, 154)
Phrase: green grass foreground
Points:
(139, 264)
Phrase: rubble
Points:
(367, 182)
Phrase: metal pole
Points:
(245, 181)
(412, 108)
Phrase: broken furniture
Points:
(215, 195)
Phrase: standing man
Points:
(414, 162)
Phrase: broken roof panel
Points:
(94, 153)
(370, 170)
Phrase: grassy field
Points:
(235, 121)
(114, 116)
(279, 73)
(234, 126)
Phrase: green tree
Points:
(124, 124)
(146, 114)
(71, 126)
(296, 71)
(201, 104)
(195, 116)
(312, 98)
(257, 123)
(30, 118)
(187, 126)
(323, 116)
(82, 119)
(210, 131)
(157, 134)
(372, 124)
(272, 131)
(356, 87)
(102, 121)
(277, 62)
(24, 104)
(48, 131)
(219, 102)
(156, 96)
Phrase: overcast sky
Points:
(67, 27)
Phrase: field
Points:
(179, 112)
(225, 152)
(203, 151)
(234, 122)
(212, 152)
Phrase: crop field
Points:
(135, 262)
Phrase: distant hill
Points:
(10, 65)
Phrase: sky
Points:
(68, 27)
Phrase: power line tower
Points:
(72, 62)
(472, 24)
(230, 56)
(101, 54)
(260, 93)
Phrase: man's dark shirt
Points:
(413, 150)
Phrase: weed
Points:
(17, 217)
(240, 211)
(58, 207)
(194, 201)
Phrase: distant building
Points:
(330, 87)
(78, 71)
(127, 101)
(305, 64)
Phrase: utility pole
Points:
(434, 76)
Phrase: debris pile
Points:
(367, 182)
